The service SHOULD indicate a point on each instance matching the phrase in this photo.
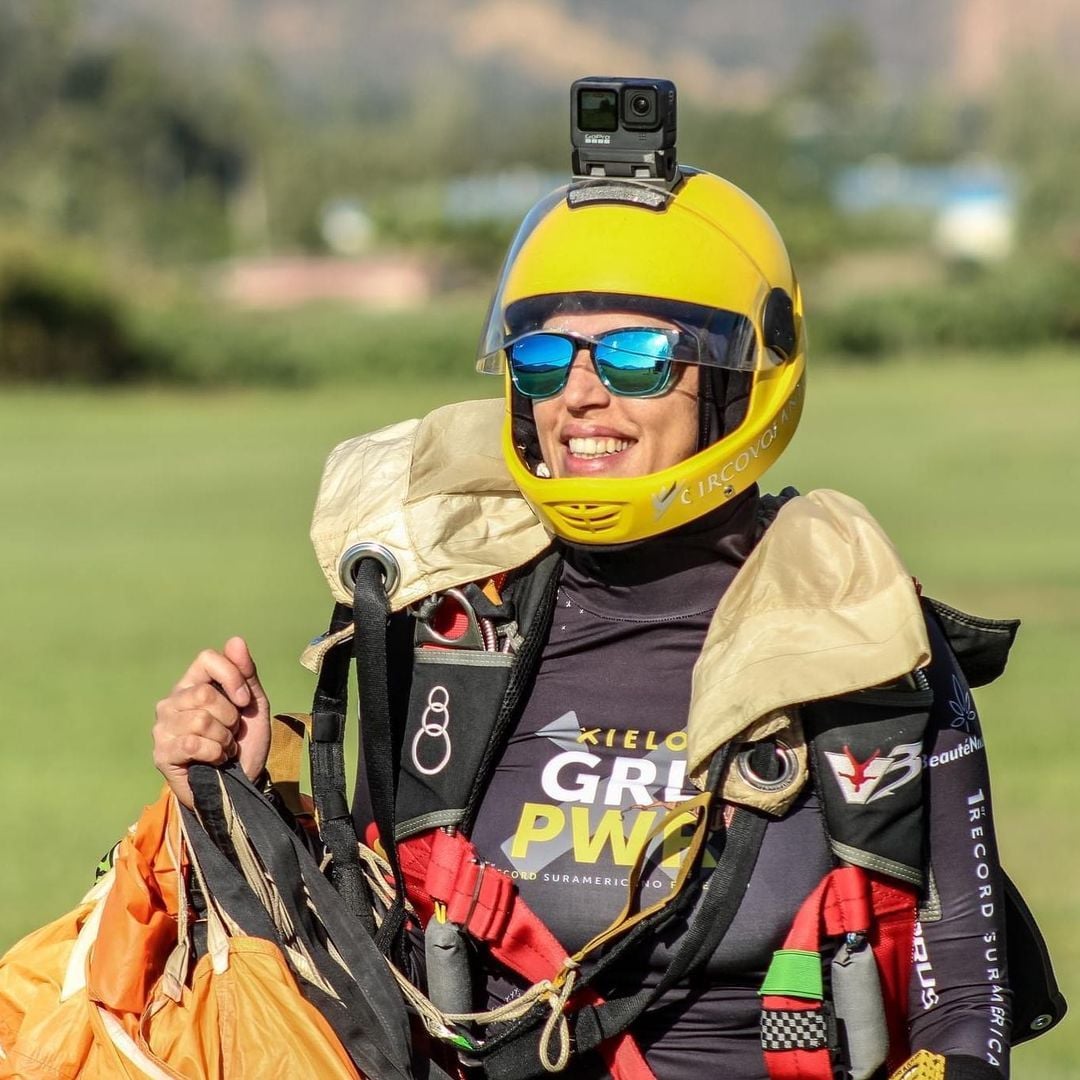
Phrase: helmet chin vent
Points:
(595, 518)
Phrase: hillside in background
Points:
(721, 55)
(168, 166)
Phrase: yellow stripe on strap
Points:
(287, 731)
(921, 1066)
(695, 811)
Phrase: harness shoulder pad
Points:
(981, 646)
(866, 754)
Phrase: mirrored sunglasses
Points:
(631, 361)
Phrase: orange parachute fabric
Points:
(101, 992)
(243, 1016)
(43, 1032)
(139, 921)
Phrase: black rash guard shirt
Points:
(599, 756)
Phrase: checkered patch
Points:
(790, 1029)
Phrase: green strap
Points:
(794, 973)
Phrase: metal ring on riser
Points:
(368, 549)
(789, 768)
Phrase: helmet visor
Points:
(694, 336)
(672, 265)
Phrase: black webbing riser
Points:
(371, 617)
(328, 781)
(677, 908)
(222, 874)
(716, 911)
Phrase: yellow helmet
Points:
(704, 255)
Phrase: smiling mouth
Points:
(595, 448)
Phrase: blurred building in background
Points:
(972, 208)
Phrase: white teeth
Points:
(597, 447)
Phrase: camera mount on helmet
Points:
(624, 129)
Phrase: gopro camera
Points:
(624, 128)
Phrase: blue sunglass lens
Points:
(635, 363)
(539, 364)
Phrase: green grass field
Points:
(142, 526)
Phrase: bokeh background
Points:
(235, 232)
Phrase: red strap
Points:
(847, 908)
(799, 1065)
(840, 905)
(891, 939)
(525, 944)
(441, 866)
(788, 1020)
(621, 1055)
(475, 899)
(450, 619)
(847, 900)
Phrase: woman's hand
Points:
(218, 711)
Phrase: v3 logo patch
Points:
(863, 782)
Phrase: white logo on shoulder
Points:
(438, 706)
(863, 782)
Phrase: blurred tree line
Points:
(129, 163)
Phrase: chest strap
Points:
(486, 901)
(444, 868)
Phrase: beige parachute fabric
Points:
(436, 494)
(822, 607)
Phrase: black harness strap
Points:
(710, 922)
(371, 618)
(328, 783)
(681, 905)
(220, 870)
